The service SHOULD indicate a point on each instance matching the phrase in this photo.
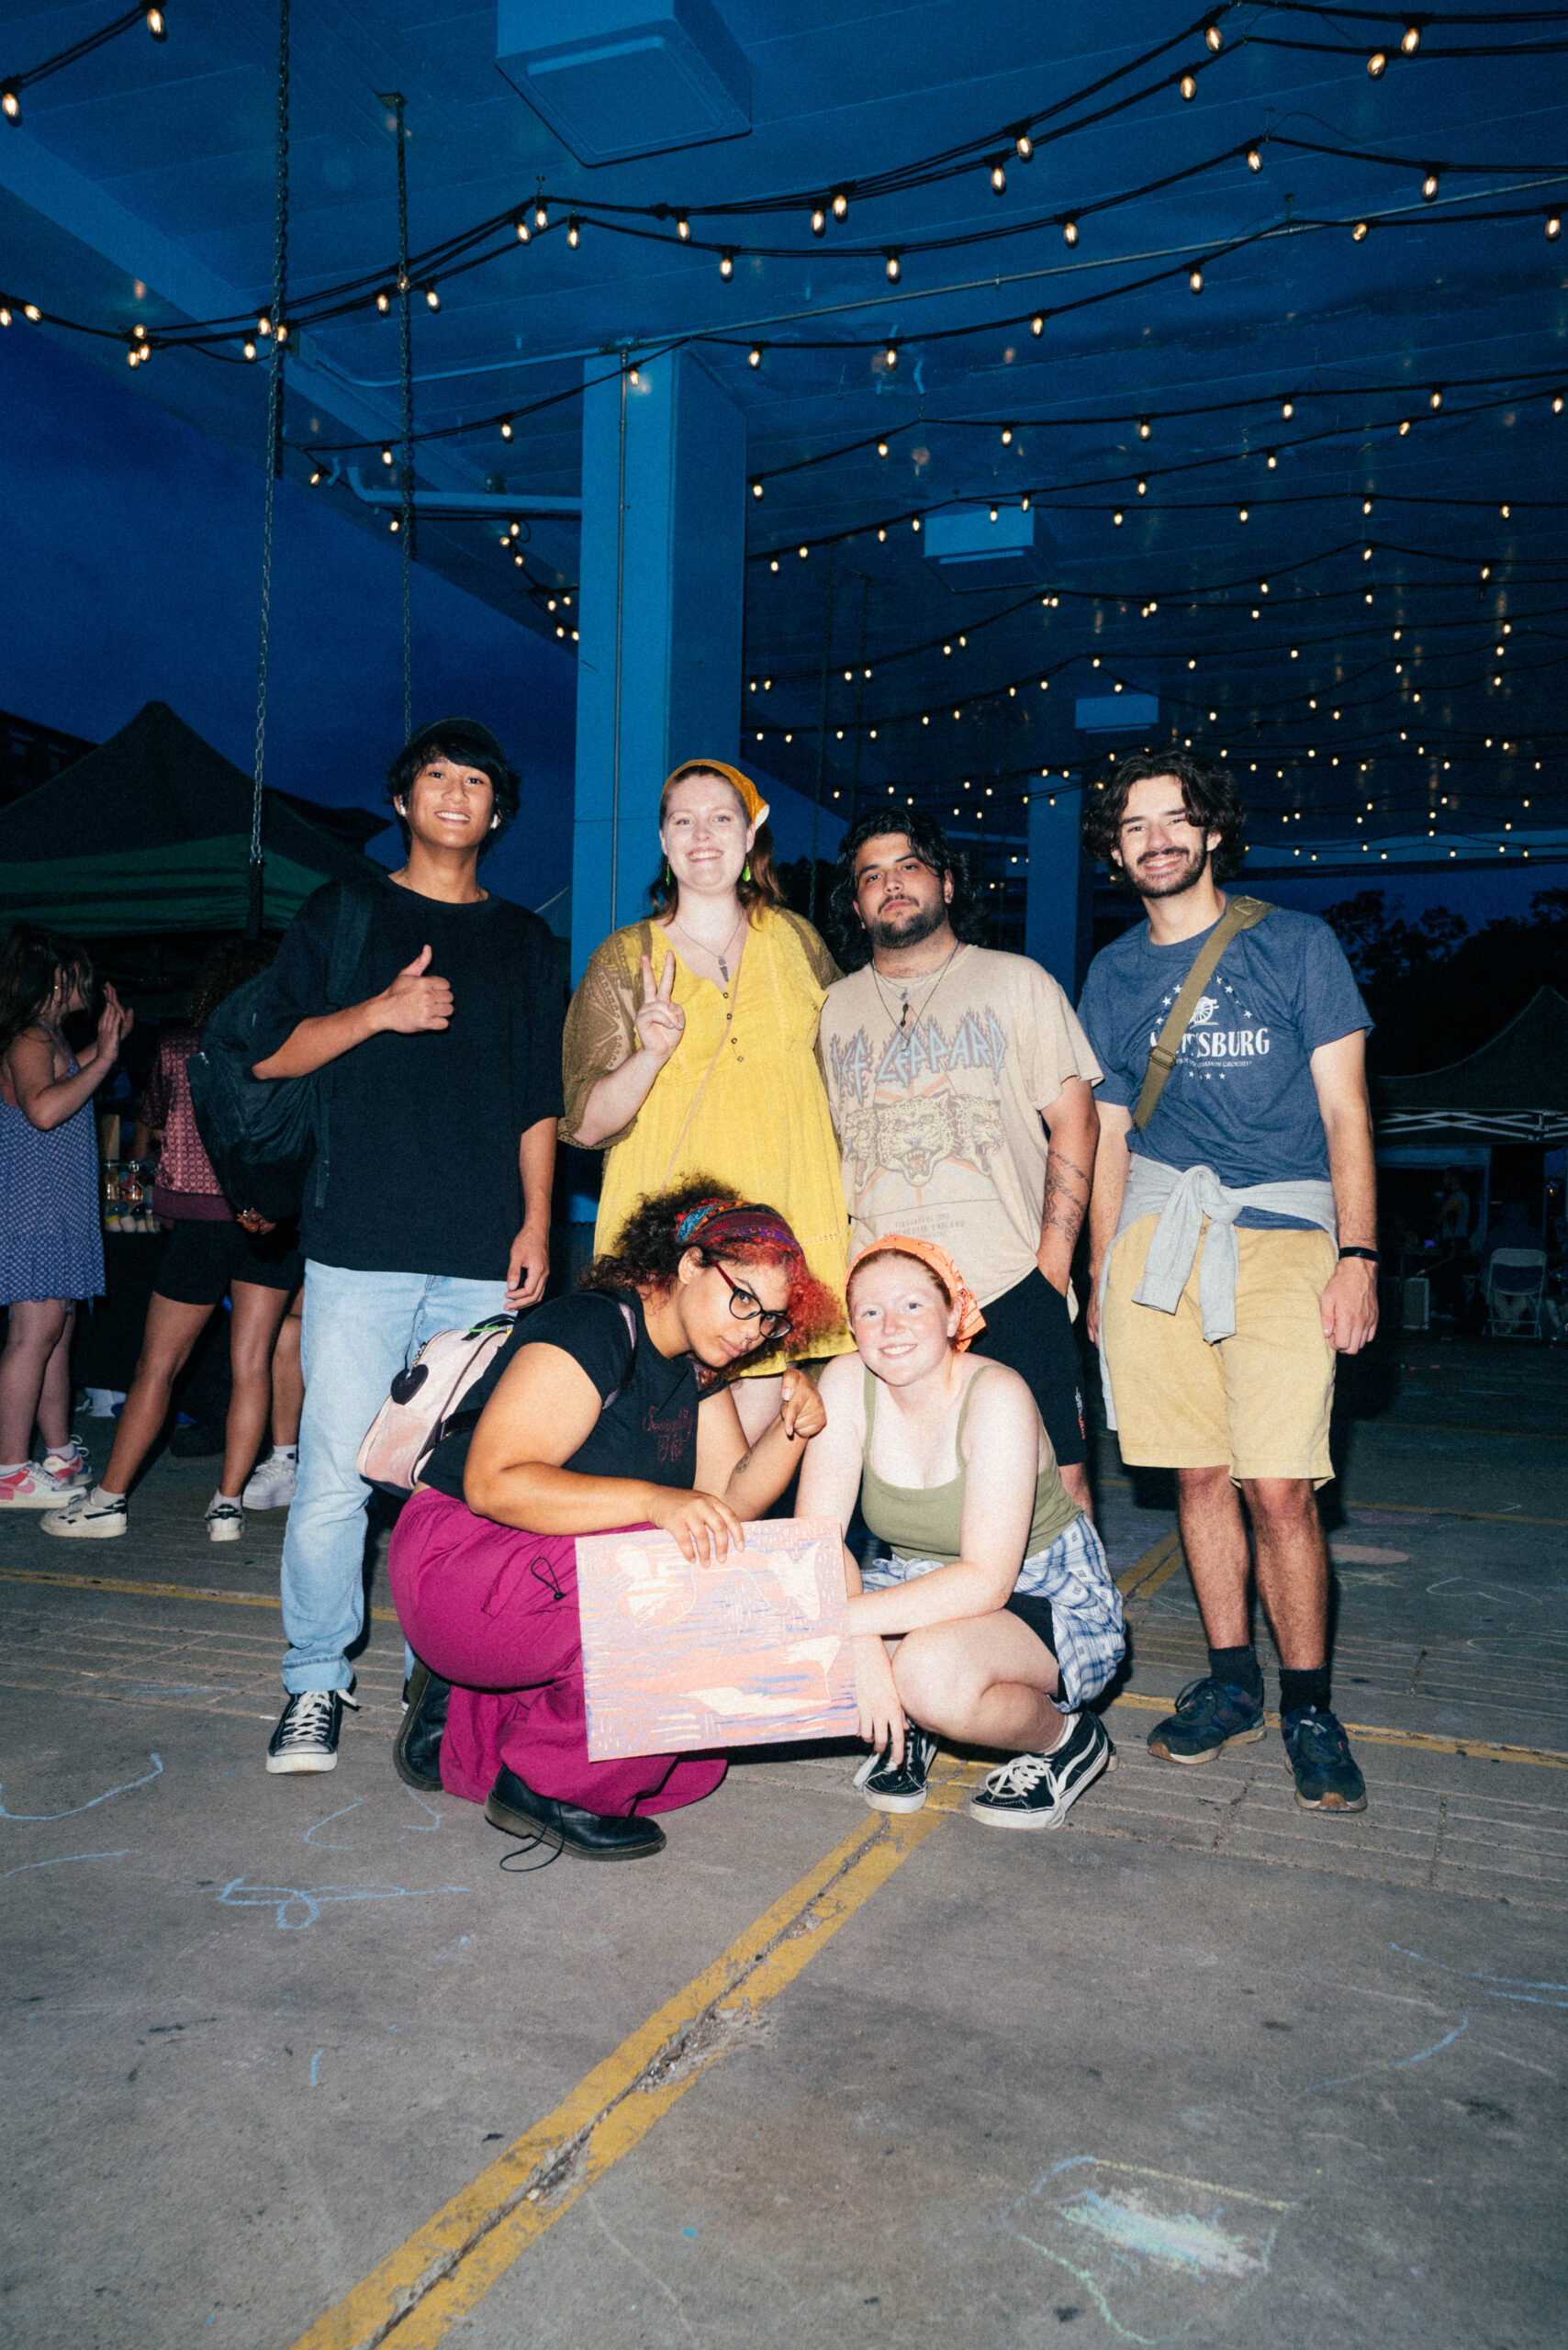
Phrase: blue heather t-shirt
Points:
(1240, 1098)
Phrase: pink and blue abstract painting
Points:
(753, 1651)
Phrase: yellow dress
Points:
(741, 1098)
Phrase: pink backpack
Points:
(425, 1398)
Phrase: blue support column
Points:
(1058, 908)
(661, 599)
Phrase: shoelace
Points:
(310, 1719)
(1323, 1736)
(1023, 1774)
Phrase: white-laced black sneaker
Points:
(1039, 1790)
(886, 1788)
(306, 1738)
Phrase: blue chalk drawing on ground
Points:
(316, 2065)
(63, 1860)
(1519, 1988)
(1147, 2250)
(238, 1895)
(311, 1833)
(1389, 2063)
(419, 1827)
(156, 1772)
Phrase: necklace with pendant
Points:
(925, 1000)
(720, 959)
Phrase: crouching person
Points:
(594, 1418)
(995, 1621)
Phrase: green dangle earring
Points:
(745, 870)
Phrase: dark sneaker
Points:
(512, 1805)
(416, 1750)
(306, 1738)
(886, 1788)
(1321, 1761)
(1210, 1716)
(1039, 1790)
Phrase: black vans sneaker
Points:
(306, 1738)
(886, 1788)
(1039, 1790)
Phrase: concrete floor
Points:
(1201, 2068)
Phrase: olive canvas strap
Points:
(1240, 913)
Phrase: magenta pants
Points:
(494, 1612)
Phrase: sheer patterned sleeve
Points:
(819, 962)
(600, 1031)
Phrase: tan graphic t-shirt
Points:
(939, 1121)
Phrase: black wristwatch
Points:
(1370, 1254)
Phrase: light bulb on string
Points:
(1273, 460)
(890, 356)
(1212, 34)
(156, 23)
(819, 220)
(893, 265)
(1553, 226)
(31, 312)
(633, 376)
(520, 225)
(1436, 397)
(999, 178)
(248, 347)
(1429, 186)
(1410, 42)
(841, 204)
(1142, 487)
(1360, 232)
(10, 102)
(541, 214)
(756, 487)
(574, 234)
(432, 299)
(1189, 85)
(726, 265)
(881, 448)
(1038, 323)
(1007, 436)
(384, 301)
(1069, 231)
(386, 456)
(264, 326)
(1377, 63)
(1254, 159)
(1023, 145)
(1195, 278)
(754, 356)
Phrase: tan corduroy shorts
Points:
(1258, 1402)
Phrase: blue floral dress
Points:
(52, 1242)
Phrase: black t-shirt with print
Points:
(650, 1428)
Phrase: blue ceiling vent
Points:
(985, 546)
(1116, 713)
(636, 77)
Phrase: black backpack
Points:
(263, 1136)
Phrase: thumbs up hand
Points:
(416, 1000)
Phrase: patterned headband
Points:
(713, 1222)
(751, 799)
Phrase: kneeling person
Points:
(995, 1620)
(593, 1420)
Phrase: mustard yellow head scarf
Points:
(751, 799)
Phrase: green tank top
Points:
(926, 1522)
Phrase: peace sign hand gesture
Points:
(660, 1020)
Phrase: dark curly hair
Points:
(647, 1254)
(30, 960)
(763, 888)
(468, 744)
(228, 967)
(1208, 795)
(928, 842)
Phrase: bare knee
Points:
(1199, 1485)
(934, 1686)
(1279, 1503)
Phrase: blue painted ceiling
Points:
(1403, 664)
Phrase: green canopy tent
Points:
(151, 833)
(1514, 1090)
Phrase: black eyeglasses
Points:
(746, 1308)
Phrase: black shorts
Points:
(1031, 1609)
(1029, 1328)
(200, 1260)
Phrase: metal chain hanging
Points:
(279, 338)
(406, 523)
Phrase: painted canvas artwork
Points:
(754, 1651)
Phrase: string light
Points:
(384, 301)
(248, 347)
(10, 102)
(1038, 323)
(1273, 460)
(683, 227)
(574, 234)
(1429, 187)
(1358, 233)
(1436, 395)
(1411, 40)
(1553, 226)
(1377, 63)
(506, 428)
(1006, 441)
(1142, 487)
(819, 221)
(1189, 85)
(894, 266)
(754, 356)
(1212, 34)
(1069, 231)
(633, 377)
(432, 299)
(520, 225)
(1022, 146)
(755, 487)
(1254, 160)
(30, 311)
(998, 178)
(1287, 409)
(890, 356)
(1195, 278)
(387, 456)
(726, 264)
(156, 24)
(541, 214)
(881, 448)
(841, 203)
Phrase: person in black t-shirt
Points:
(445, 1087)
(595, 1419)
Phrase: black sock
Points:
(1238, 1669)
(1298, 1690)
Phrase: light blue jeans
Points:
(360, 1330)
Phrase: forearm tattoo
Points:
(1067, 1197)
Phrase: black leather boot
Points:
(416, 1751)
(588, 1835)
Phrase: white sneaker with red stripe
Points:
(33, 1487)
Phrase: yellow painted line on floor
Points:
(151, 1591)
(1156, 1567)
(419, 2292)
(1476, 1516)
(1545, 1758)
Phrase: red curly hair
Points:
(699, 1214)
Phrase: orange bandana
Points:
(752, 799)
(971, 1321)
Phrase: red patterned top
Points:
(185, 1185)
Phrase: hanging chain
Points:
(405, 291)
(275, 461)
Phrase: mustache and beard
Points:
(1170, 885)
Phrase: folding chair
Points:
(1517, 1277)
